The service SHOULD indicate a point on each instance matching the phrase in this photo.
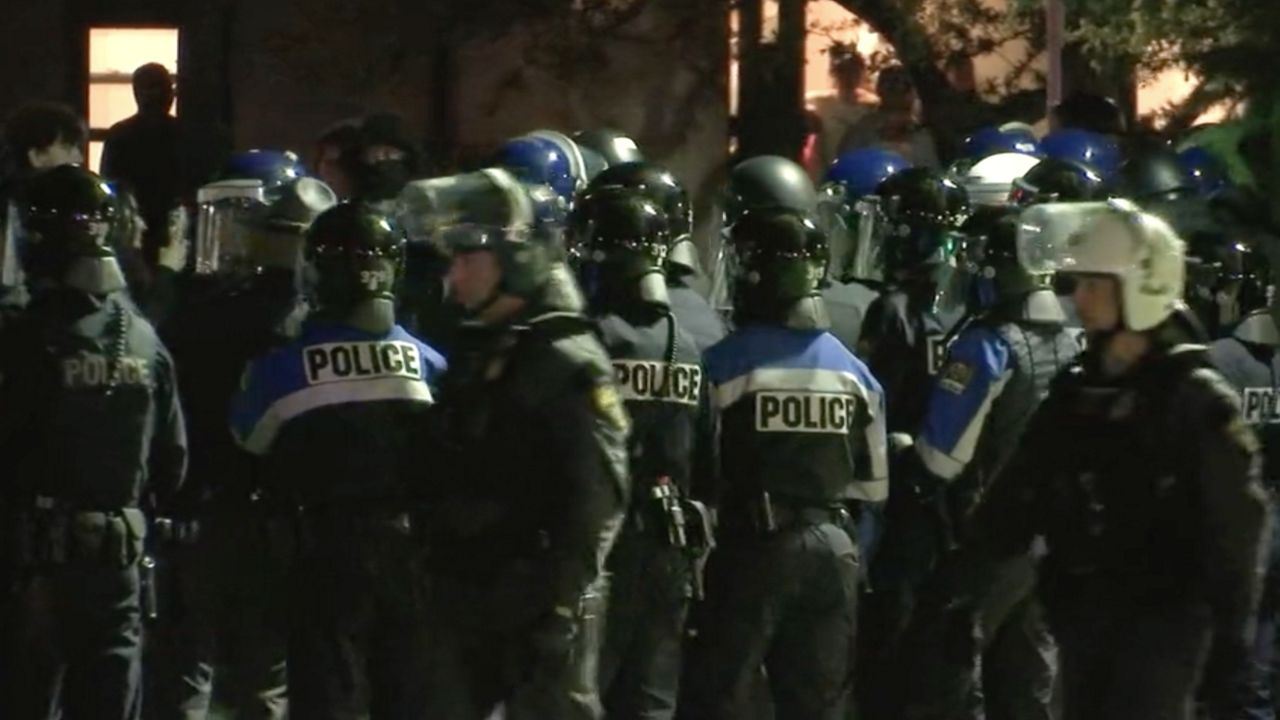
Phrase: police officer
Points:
(623, 238)
(336, 417)
(802, 432)
(91, 431)
(1140, 473)
(1248, 360)
(540, 483)
(692, 311)
(998, 369)
(851, 214)
(902, 336)
(236, 309)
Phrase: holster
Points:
(49, 536)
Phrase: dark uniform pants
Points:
(644, 629)
(1019, 661)
(486, 653)
(229, 614)
(75, 644)
(788, 601)
(1120, 664)
(357, 640)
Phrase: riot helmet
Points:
(354, 257)
(990, 181)
(621, 237)
(1152, 175)
(778, 268)
(768, 181)
(1056, 180)
(1090, 112)
(923, 211)
(278, 229)
(225, 210)
(989, 141)
(1099, 153)
(850, 212)
(614, 146)
(61, 225)
(1207, 173)
(491, 210)
(1227, 280)
(999, 273)
(545, 157)
(663, 188)
(274, 169)
(1117, 239)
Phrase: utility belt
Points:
(763, 514)
(304, 529)
(48, 535)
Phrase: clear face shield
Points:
(226, 214)
(1046, 233)
(854, 229)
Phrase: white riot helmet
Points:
(1113, 238)
(990, 180)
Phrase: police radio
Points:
(671, 511)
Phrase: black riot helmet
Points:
(355, 255)
(923, 211)
(664, 189)
(780, 258)
(991, 255)
(621, 238)
(1153, 175)
(1226, 280)
(768, 181)
(1057, 180)
(613, 146)
(63, 224)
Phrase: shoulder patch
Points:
(608, 405)
(955, 377)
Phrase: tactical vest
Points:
(801, 417)
(1254, 371)
(658, 371)
(1039, 353)
(95, 379)
(1119, 506)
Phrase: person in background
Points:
(836, 112)
(894, 125)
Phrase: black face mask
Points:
(381, 180)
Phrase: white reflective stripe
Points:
(873, 491)
(317, 396)
(877, 440)
(948, 466)
(784, 379)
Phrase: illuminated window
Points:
(114, 53)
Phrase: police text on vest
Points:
(1260, 406)
(805, 412)
(90, 370)
(343, 362)
(658, 381)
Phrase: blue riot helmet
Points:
(490, 210)
(1206, 171)
(1004, 139)
(859, 172)
(545, 157)
(849, 211)
(1097, 152)
(273, 168)
(614, 146)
